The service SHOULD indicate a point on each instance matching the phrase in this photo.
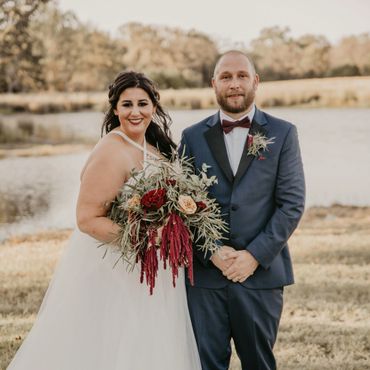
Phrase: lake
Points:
(41, 191)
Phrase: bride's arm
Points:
(101, 180)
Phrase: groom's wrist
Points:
(257, 258)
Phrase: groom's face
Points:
(235, 83)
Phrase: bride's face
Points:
(134, 110)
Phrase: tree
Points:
(75, 56)
(312, 56)
(351, 56)
(274, 53)
(279, 56)
(171, 56)
(195, 55)
(19, 60)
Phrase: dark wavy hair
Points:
(158, 132)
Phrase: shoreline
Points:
(42, 150)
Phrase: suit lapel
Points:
(215, 139)
(246, 159)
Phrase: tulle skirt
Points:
(96, 317)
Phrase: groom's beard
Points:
(247, 101)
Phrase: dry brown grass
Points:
(189, 98)
(316, 92)
(319, 92)
(326, 319)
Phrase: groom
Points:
(238, 291)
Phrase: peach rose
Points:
(134, 201)
(187, 204)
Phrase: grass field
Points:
(326, 318)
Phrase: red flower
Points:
(170, 182)
(153, 199)
(250, 140)
(201, 205)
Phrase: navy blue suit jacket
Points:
(262, 204)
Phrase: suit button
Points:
(234, 207)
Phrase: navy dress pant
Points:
(249, 316)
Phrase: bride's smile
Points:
(134, 110)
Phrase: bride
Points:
(94, 316)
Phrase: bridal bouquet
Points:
(162, 212)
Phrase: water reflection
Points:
(17, 204)
(40, 192)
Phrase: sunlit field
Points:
(326, 318)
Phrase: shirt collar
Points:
(250, 114)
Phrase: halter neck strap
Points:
(135, 144)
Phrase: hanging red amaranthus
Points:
(149, 261)
(176, 246)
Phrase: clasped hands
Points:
(237, 266)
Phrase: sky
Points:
(230, 21)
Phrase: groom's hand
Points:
(220, 260)
(243, 265)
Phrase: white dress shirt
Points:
(236, 139)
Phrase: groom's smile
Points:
(236, 96)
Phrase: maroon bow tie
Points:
(228, 126)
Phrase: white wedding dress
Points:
(96, 317)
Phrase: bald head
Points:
(230, 56)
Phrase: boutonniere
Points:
(257, 143)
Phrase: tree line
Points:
(43, 48)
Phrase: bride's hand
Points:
(243, 266)
(220, 260)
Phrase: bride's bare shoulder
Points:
(108, 152)
(110, 142)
